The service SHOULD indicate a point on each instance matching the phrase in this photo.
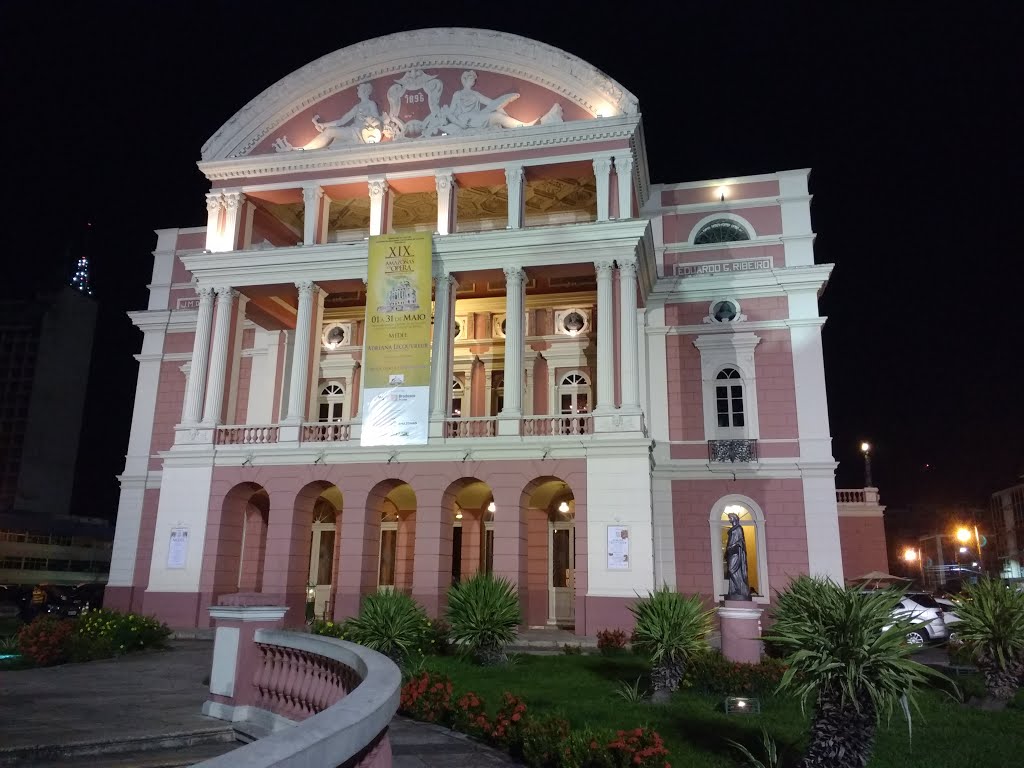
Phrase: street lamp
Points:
(913, 555)
(865, 448)
(966, 535)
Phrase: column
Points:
(380, 206)
(447, 191)
(312, 217)
(602, 174)
(358, 415)
(440, 354)
(629, 363)
(514, 300)
(605, 338)
(624, 173)
(515, 181)
(212, 411)
(214, 207)
(300, 357)
(200, 358)
(233, 206)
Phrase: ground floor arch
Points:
(554, 551)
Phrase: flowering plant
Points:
(638, 748)
(101, 634)
(470, 716)
(611, 641)
(45, 640)
(428, 697)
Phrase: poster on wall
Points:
(396, 367)
(177, 550)
(618, 548)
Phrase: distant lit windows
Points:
(720, 231)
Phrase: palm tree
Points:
(991, 628)
(670, 628)
(848, 652)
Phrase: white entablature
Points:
(394, 55)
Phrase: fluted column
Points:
(447, 202)
(515, 182)
(234, 203)
(200, 359)
(380, 206)
(602, 175)
(624, 174)
(212, 411)
(514, 300)
(605, 338)
(441, 351)
(297, 390)
(312, 199)
(629, 362)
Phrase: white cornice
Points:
(442, 149)
(485, 50)
(727, 205)
(733, 180)
(164, 320)
(767, 282)
(752, 325)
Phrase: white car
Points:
(920, 607)
(949, 616)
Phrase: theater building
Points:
(615, 365)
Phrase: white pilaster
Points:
(515, 178)
(312, 216)
(664, 531)
(795, 207)
(514, 301)
(602, 175)
(605, 339)
(447, 202)
(380, 206)
(234, 204)
(214, 209)
(200, 358)
(440, 357)
(629, 363)
(212, 411)
(624, 173)
(266, 348)
(357, 416)
(300, 356)
(656, 363)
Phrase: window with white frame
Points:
(574, 395)
(458, 395)
(751, 520)
(729, 385)
(720, 231)
(729, 399)
(331, 402)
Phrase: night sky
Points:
(911, 123)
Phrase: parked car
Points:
(949, 616)
(921, 607)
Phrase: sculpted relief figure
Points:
(351, 128)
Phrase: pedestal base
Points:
(741, 630)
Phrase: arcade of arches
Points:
(330, 545)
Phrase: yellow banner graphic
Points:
(396, 366)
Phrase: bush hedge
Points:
(96, 634)
(711, 672)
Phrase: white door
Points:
(321, 566)
(561, 573)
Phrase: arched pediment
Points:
(414, 85)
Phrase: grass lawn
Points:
(582, 689)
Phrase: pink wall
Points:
(694, 312)
(776, 389)
(685, 396)
(765, 220)
(695, 195)
(863, 544)
(785, 531)
(170, 396)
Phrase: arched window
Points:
(331, 402)
(729, 399)
(751, 520)
(574, 395)
(720, 231)
(458, 393)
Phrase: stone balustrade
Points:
(247, 434)
(544, 426)
(326, 432)
(325, 702)
(857, 495)
(471, 427)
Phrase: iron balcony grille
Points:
(732, 451)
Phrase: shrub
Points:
(991, 631)
(439, 637)
(711, 672)
(670, 628)
(586, 748)
(484, 614)
(508, 724)
(544, 741)
(328, 629)
(101, 634)
(572, 650)
(611, 642)
(638, 748)
(428, 697)
(46, 640)
(391, 623)
(470, 716)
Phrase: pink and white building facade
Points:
(616, 364)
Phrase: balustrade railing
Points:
(579, 424)
(732, 451)
(326, 432)
(247, 434)
(846, 496)
(296, 684)
(470, 427)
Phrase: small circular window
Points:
(574, 322)
(724, 311)
(457, 329)
(335, 336)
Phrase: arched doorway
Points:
(323, 549)
(551, 531)
(394, 504)
(236, 542)
(472, 509)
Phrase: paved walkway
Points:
(146, 707)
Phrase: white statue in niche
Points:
(360, 125)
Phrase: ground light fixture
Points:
(742, 705)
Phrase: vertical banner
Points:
(396, 371)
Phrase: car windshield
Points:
(926, 600)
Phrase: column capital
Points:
(444, 276)
(514, 275)
(602, 165)
(233, 200)
(205, 293)
(226, 293)
(627, 267)
(443, 180)
(307, 288)
(378, 187)
(214, 201)
(312, 195)
(515, 175)
(624, 164)
(603, 268)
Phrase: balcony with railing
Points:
(732, 451)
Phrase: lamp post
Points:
(865, 448)
(966, 535)
(912, 555)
